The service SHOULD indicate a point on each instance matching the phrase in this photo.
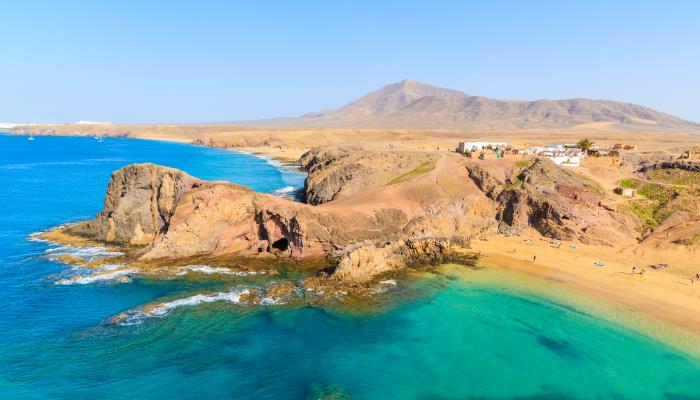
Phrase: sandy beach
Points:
(641, 300)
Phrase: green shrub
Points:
(514, 184)
(423, 168)
(676, 177)
(654, 191)
(629, 183)
(646, 211)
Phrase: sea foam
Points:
(162, 309)
(285, 191)
(110, 274)
(209, 270)
(203, 269)
(87, 252)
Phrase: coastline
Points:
(657, 303)
(661, 295)
(284, 158)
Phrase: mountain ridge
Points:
(409, 104)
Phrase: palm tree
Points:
(585, 144)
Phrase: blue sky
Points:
(216, 61)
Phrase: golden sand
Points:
(664, 304)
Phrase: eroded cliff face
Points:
(558, 203)
(173, 215)
(376, 259)
(223, 218)
(337, 172)
(419, 211)
(139, 203)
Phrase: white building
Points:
(554, 147)
(464, 147)
(573, 160)
(564, 155)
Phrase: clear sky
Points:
(217, 61)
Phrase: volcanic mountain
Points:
(413, 105)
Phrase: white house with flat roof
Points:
(560, 154)
(464, 147)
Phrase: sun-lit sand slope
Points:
(288, 144)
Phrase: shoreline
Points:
(515, 282)
(286, 159)
(661, 295)
(665, 323)
(668, 321)
(656, 304)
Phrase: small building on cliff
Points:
(464, 147)
(564, 155)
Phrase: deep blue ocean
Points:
(437, 337)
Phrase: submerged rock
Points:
(281, 291)
(364, 262)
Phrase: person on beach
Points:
(534, 258)
(634, 269)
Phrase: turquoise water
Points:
(440, 338)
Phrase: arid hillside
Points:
(413, 105)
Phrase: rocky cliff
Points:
(371, 220)
(556, 202)
(337, 172)
(173, 215)
(139, 203)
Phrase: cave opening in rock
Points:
(280, 244)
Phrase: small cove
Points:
(440, 338)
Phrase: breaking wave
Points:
(384, 286)
(110, 274)
(272, 162)
(285, 191)
(87, 252)
(209, 270)
(204, 269)
(163, 309)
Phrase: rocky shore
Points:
(371, 213)
(160, 216)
